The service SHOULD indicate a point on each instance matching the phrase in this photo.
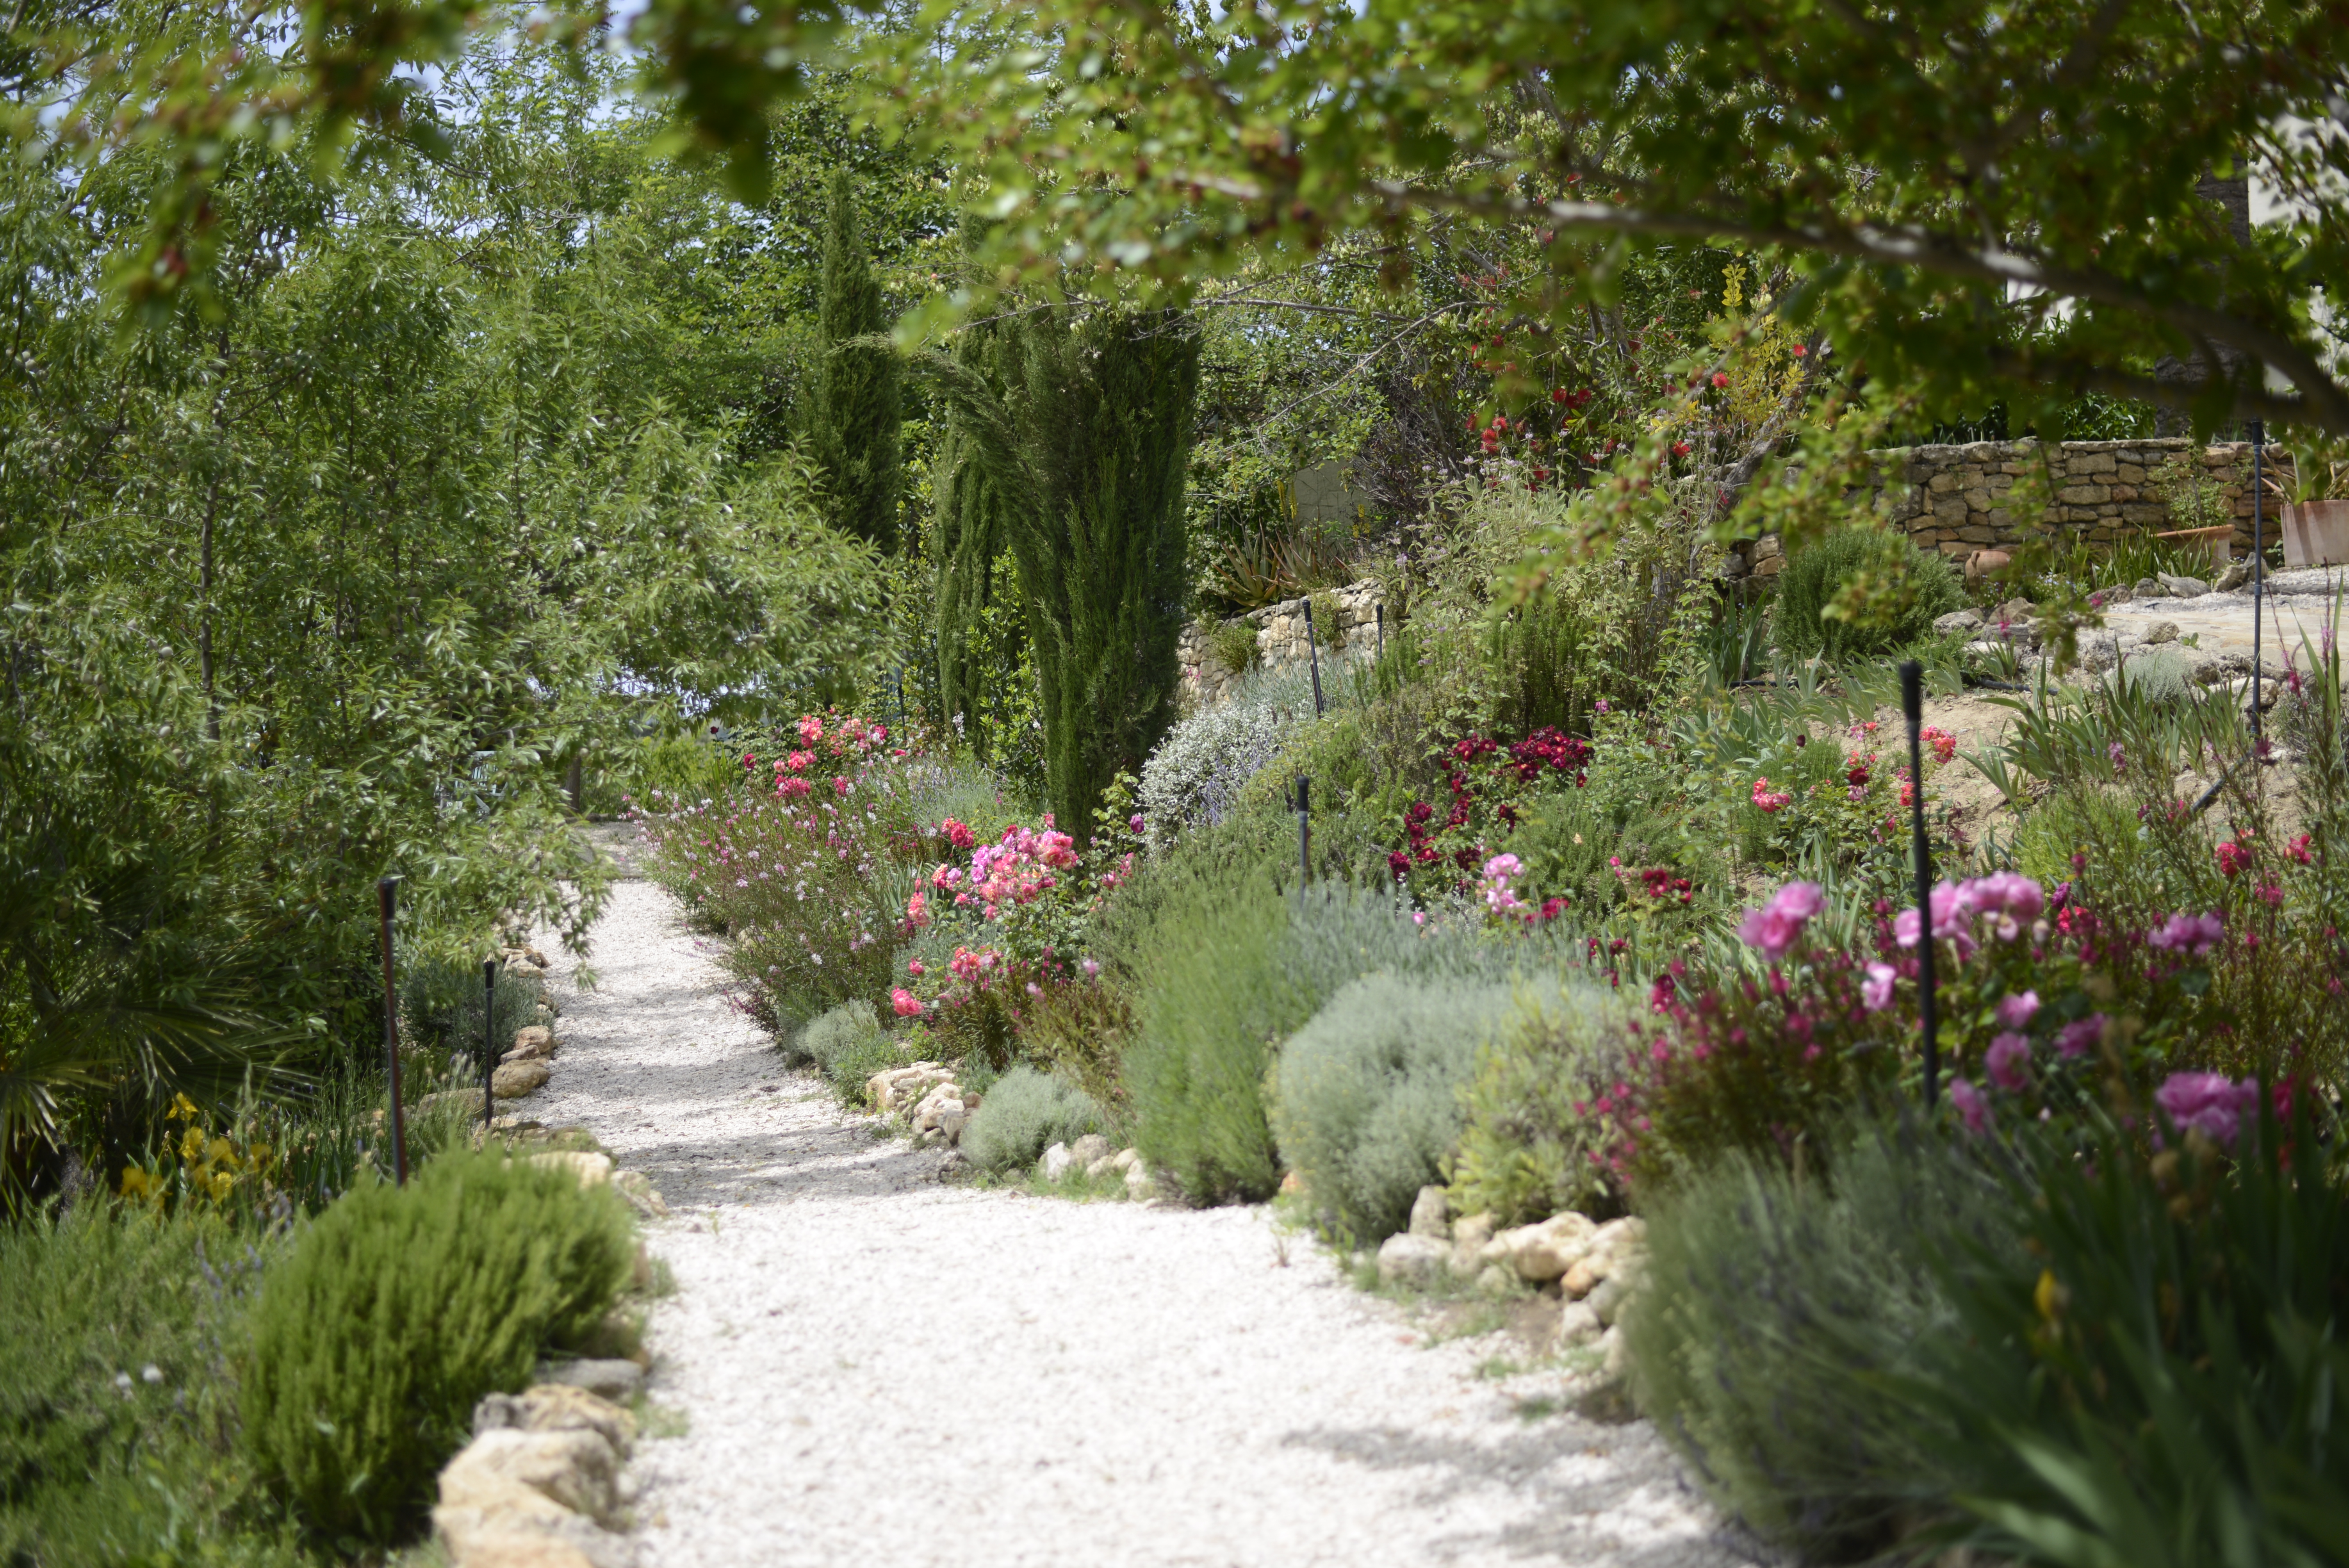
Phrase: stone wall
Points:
(1955, 495)
(1279, 640)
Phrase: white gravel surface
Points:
(878, 1368)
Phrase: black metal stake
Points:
(1381, 611)
(1912, 707)
(1313, 657)
(386, 893)
(2259, 574)
(488, 1039)
(1304, 835)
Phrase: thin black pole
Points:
(489, 1037)
(1912, 707)
(2259, 571)
(1381, 611)
(386, 893)
(1313, 655)
(1304, 835)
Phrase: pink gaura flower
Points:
(2007, 1062)
(2076, 1040)
(2207, 1103)
(2015, 1011)
(1973, 1110)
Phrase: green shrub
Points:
(831, 1035)
(1526, 1153)
(1813, 577)
(397, 1308)
(1213, 1001)
(1366, 1095)
(1775, 1312)
(1236, 648)
(1025, 1113)
(2149, 1373)
(2162, 676)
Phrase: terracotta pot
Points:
(2316, 533)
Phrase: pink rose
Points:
(2076, 1040)
(2207, 1103)
(1973, 1108)
(2015, 1011)
(1876, 991)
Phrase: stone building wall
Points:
(1953, 500)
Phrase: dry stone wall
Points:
(1280, 640)
(1953, 498)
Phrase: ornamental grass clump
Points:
(1807, 590)
(1366, 1095)
(398, 1307)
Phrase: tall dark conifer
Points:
(1075, 445)
(854, 413)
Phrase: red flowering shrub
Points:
(1489, 784)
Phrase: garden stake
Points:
(2258, 577)
(1381, 611)
(386, 891)
(1304, 837)
(489, 1037)
(1313, 654)
(1912, 707)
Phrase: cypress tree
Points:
(1081, 442)
(853, 413)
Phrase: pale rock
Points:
(1057, 1161)
(1578, 1325)
(605, 1379)
(1619, 1355)
(1958, 621)
(1407, 1259)
(2183, 587)
(532, 1044)
(1127, 1159)
(2237, 572)
(1540, 1253)
(1470, 1234)
(466, 1101)
(1102, 1169)
(2161, 631)
(892, 1089)
(1611, 1246)
(1496, 1281)
(2016, 611)
(1431, 1213)
(558, 1407)
(940, 1116)
(642, 1195)
(571, 1470)
(2144, 588)
(592, 1170)
(510, 1537)
(1140, 1185)
(1092, 1146)
(1606, 1297)
(516, 1080)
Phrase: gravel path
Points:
(877, 1368)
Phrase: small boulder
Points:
(1127, 1159)
(1057, 1161)
(573, 1468)
(1092, 1146)
(592, 1170)
(1957, 622)
(2183, 587)
(1407, 1259)
(1612, 1248)
(895, 1089)
(2237, 572)
(532, 1043)
(2144, 588)
(1431, 1213)
(1141, 1186)
(1541, 1253)
(1618, 1364)
(2161, 631)
(558, 1407)
(1605, 1298)
(642, 1195)
(1578, 1325)
(1103, 1169)
(940, 1116)
(613, 1380)
(1470, 1234)
(516, 1080)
